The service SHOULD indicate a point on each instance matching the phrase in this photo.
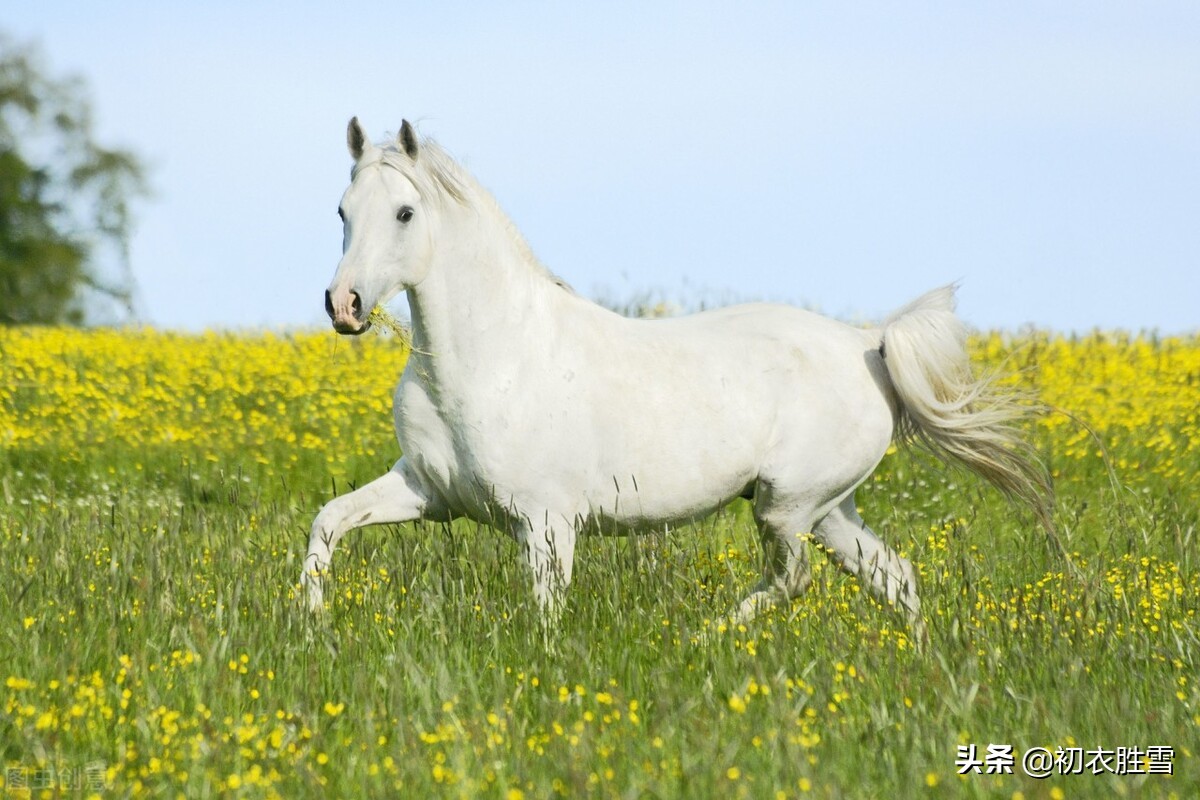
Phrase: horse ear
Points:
(408, 139)
(356, 139)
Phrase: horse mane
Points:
(436, 174)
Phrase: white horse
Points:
(528, 408)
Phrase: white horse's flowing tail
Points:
(958, 417)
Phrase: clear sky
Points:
(844, 156)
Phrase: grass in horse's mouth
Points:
(381, 319)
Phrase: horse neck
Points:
(482, 287)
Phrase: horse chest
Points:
(452, 453)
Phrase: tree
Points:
(64, 201)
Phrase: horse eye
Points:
(405, 214)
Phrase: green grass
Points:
(147, 625)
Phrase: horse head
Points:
(386, 229)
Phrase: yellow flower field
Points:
(216, 394)
(155, 494)
(209, 396)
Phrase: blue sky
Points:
(843, 156)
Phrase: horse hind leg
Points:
(859, 551)
(786, 573)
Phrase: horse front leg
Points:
(395, 496)
(549, 547)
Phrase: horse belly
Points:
(678, 461)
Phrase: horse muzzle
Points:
(345, 310)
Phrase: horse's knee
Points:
(322, 539)
(328, 519)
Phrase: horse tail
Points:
(959, 417)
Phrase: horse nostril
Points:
(329, 304)
(356, 303)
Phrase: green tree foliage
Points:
(65, 201)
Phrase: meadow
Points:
(156, 491)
